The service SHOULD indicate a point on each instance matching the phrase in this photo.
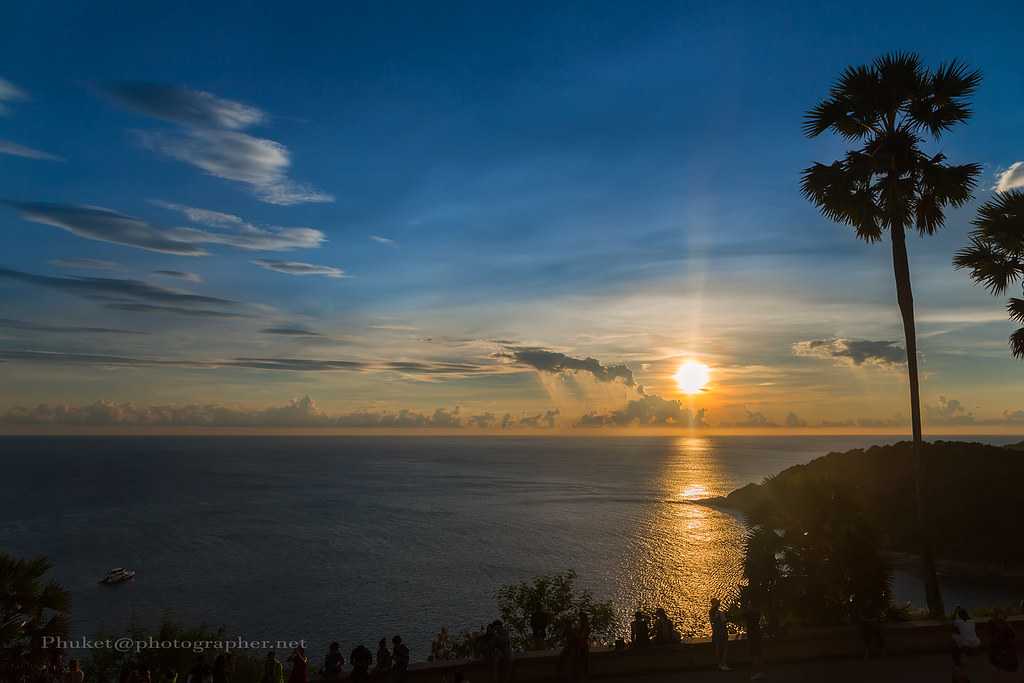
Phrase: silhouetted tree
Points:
(996, 255)
(31, 608)
(888, 182)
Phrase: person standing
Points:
(333, 662)
(361, 659)
(1002, 648)
(383, 658)
(752, 617)
(300, 666)
(273, 670)
(75, 673)
(719, 634)
(400, 655)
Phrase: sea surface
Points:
(358, 538)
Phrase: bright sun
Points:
(692, 376)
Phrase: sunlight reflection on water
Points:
(684, 554)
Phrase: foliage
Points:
(106, 664)
(31, 608)
(558, 597)
(995, 257)
(814, 558)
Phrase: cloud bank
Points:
(649, 411)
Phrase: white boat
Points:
(118, 575)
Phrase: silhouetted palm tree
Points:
(30, 608)
(888, 182)
(996, 254)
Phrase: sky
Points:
(501, 217)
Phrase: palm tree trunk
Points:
(905, 296)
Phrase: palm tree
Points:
(996, 255)
(888, 182)
(30, 609)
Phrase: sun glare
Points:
(692, 376)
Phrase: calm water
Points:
(357, 538)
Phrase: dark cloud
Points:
(97, 287)
(72, 329)
(546, 419)
(555, 362)
(648, 411)
(949, 411)
(183, 105)
(290, 331)
(853, 351)
(177, 310)
(300, 268)
(104, 225)
(432, 368)
(84, 264)
(180, 275)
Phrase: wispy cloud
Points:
(290, 331)
(183, 105)
(1010, 179)
(210, 139)
(116, 288)
(300, 268)
(180, 275)
(104, 225)
(177, 310)
(84, 264)
(14, 149)
(7, 323)
(240, 233)
(556, 362)
(10, 93)
(853, 351)
(384, 240)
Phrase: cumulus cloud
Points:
(948, 411)
(1010, 179)
(795, 421)
(546, 419)
(14, 149)
(556, 362)
(1014, 416)
(7, 323)
(104, 225)
(184, 105)
(647, 411)
(210, 139)
(752, 419)
(300, 268)
(179, 275)
(84, 264)
(853, 351)
(236, 232)
(10, 93)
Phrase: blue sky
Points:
(594, 179)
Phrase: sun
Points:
(692, 376)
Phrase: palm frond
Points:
(942, 103)
(1017, 343)
(900, 78)
(1001, 222)
(843, 196)
(989, 266)
(1016, 309)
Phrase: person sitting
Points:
(965, 636)
(665, 632)
(333, 662)
(640, 630)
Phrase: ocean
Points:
(358, 538)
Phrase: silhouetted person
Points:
(869, 617)
(640, 630)
(273, 670)
(167, 675)
(539, 622)
(383, 657)
(300, 666)
(441, 647)
(581, 648)
(665, 631)
(400, 656)
(360, 659)
(752, 617)
(222, 668)
(501, 652)
(1002, 649)
(200, 673)
(333, 662)
(719, 634)
(965, 635)
(75, 673)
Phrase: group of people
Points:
(1002, 646)
(388, 665)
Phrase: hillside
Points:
(975, 493)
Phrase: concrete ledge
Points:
(901, 638)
